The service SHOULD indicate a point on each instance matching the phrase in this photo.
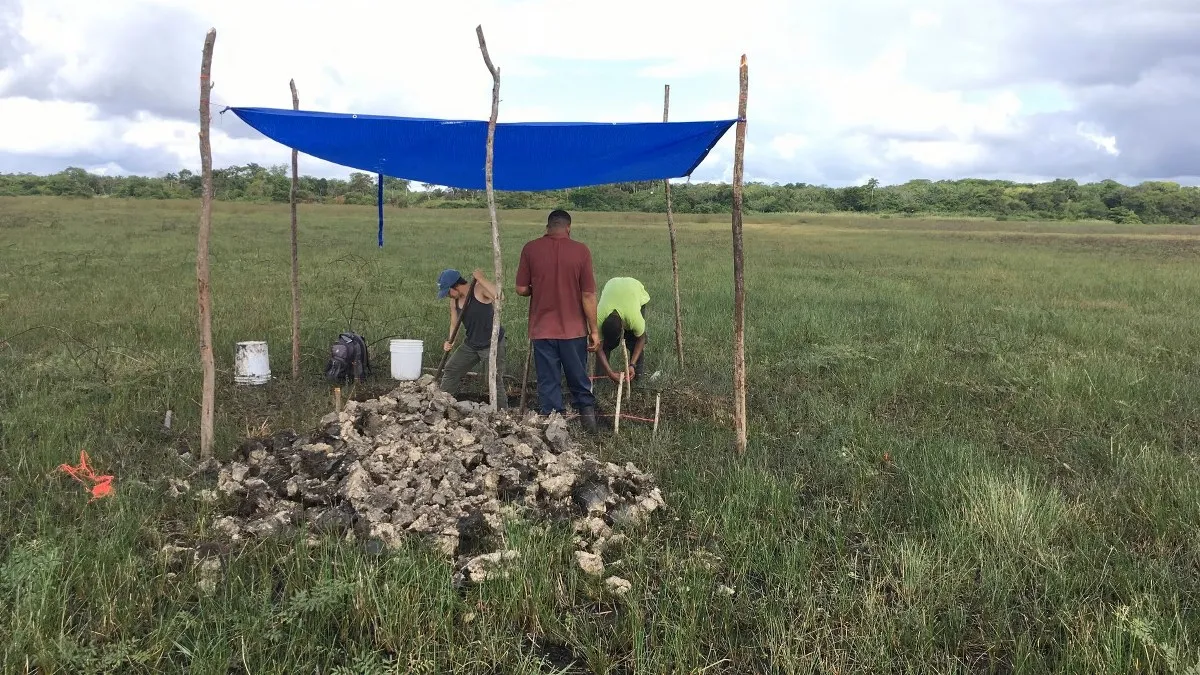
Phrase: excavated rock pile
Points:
(418, 462)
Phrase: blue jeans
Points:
(555, 358)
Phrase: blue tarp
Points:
(528, 156)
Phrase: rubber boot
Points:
(587, 417)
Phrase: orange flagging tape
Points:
(101, 486)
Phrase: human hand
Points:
(630, 373)
(477, 274)
(593, 341)
(446, 346)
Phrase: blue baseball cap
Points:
(446, 281)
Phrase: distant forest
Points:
(1149, 202)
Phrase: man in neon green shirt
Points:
(621, 311)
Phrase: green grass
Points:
(973, 448)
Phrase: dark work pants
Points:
(554, 359)
(466, 357)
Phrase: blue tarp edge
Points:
(530, 156)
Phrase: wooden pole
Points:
(491, 200)
(674, 249)
(739, 283)
(657, 403)
(203, 288)
(295, 250)
(337, 399)
(525, 377)
(625, 356)
(617, 414)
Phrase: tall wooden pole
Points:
(203, 288)
(295, 250)
(739, 283)
(493, 376)
(674, 250)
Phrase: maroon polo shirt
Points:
(559, 271)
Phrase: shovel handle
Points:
(446, 355)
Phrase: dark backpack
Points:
(348, 358)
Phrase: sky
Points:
(839, 91)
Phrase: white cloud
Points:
(1105, 142)
(787, 145)
(936, 154)
(891, 88)
(50, 127)
(923, 18)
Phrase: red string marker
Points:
(101, 485)
(624, 416)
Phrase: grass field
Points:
(973, 448)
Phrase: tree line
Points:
(1063, 199)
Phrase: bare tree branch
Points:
(739, 282)
(498, 263)
(203, 287)
(295, 250)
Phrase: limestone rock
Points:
(177, 487)
(417, 463)
(209, 574)
(170, 552)
(490, 565)
(590, 563)
(617, 585)
(556, 432)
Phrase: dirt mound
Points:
(416, 462)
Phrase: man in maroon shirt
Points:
(556, 273)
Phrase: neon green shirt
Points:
(625, 295)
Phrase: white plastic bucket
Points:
(406, 359)
(250, 363)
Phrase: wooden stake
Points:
(203, 288)
(525, 377)
(657, 402)
(295, 250)
(617, 415)
(674, 250)
(739, 283)
(491, 200)
(337, 399)
(625, 356)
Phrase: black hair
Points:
(461, 282)
(612, 327)
(558, 218)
